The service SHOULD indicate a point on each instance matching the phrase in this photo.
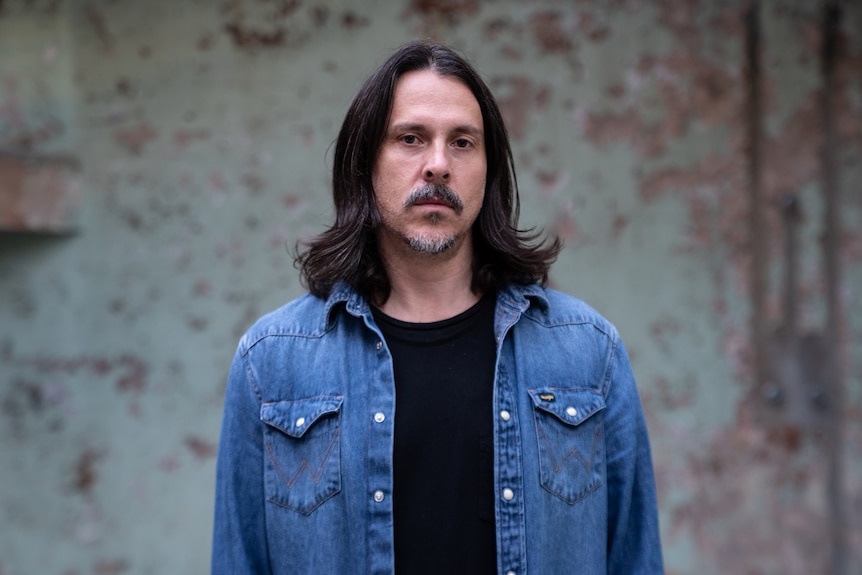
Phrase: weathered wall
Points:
(203, 130)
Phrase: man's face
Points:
(429, 177)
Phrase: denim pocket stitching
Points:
(293, 455)
(552, 467)
(573, 452)
(315, 476)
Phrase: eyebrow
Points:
(417, 127)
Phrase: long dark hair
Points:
(347, 251)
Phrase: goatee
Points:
(430, 245)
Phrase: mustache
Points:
(435, 192)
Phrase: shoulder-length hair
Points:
(347, 251)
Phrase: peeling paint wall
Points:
(203, 131)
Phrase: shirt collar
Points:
(515, 296)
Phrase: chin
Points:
(431, 245)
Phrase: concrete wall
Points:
(202, 132)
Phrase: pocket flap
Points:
(295, 417)
(570, 405)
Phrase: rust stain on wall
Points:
(184, 137)
(256, 25)
(451, 11)
(662, 329)
(694, 89)
(85, 475)
(249, 38)
(111, 567)
(552, 31)
(130, 371)
(201, 448)
(134, 138)
(745, 475)
(746, 471)
(267, 31)
(517, 97)
(28, 120)
(690, 88)
(99, 25)
(552, 184)
(351, 19)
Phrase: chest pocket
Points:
(571, 440)
(302, 440)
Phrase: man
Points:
(430, 407)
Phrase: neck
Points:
(429, 287)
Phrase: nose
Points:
(437, 165)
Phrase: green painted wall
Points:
(203, 133)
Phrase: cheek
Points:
(386, 195)
(480, 201)
(480, 189)
(391, 177)
(479, 177)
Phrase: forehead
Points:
(426, 93)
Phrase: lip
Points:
(434, 202)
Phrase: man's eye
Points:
(462, 143)
(409, 139)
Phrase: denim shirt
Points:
(304, 472)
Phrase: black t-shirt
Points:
(443, 494)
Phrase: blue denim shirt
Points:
(304, 472)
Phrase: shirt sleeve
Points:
(634, 545)
(239, 529)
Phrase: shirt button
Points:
(300, 422)
(378, 496)
(508, 494)
(571, 411)
(379, 417)
(505, 415)
(379, 345)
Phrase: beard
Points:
(432, 243)
(425, 244)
